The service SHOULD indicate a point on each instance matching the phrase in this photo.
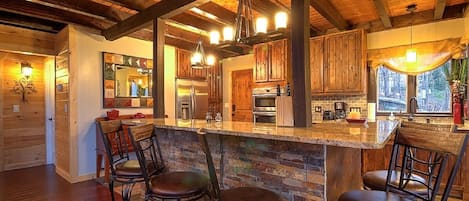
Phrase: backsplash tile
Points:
(327, 103)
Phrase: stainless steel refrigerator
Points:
(191, 99)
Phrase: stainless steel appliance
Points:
(328, 115)
(191, 99)
(263, 100)
(339, 110)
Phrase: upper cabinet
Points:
(337, 63)
(184, 69)
(271, 61)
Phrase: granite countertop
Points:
(342, 134)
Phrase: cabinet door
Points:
(261, 54)
(183, 64)
(316, 63)
(344, 69)
(278, 59)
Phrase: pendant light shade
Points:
(198, 59)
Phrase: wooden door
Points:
(183, 63)
(242, 95)
(278, 60)
(261, 54)
(344, 68)
(316, 62)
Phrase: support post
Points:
(300, 63)
(158, 68)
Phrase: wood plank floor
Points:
(42, 184)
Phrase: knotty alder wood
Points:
(162, 9)
(271, 61)
(22, 134)
(242, 95)
(300, 63)
(343, 66)
(184, 69)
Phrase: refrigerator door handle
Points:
(192, 102)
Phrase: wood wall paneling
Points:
(22, 140)
(26, 40)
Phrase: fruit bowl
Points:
(361, 121)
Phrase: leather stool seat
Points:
(128, 168)
(358, 195)
(179, 184)
(249, 194)
(376, 180)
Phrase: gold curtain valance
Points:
(430, 55)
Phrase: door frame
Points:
(49, 81)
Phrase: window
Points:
(433, 93)
(430, 88)
(392, 91)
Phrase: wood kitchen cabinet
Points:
(337, 63)
(271, 61)
(184, 69)
(215, 92)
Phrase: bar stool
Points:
(439, 145)
(169, 185)
(234, 194)
(123, 169)
(376, 180)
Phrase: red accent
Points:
(112, 115)
(457, 113)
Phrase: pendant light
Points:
(198, 58)
(411, 53)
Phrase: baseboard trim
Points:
(71, 179)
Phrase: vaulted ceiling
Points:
(184, 29)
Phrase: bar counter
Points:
(316, 163)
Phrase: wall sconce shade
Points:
(24, 85)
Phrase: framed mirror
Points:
(127, 81)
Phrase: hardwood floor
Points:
(42, 184)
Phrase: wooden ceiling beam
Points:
(422, 17)
(197, 22)
(163, 9)
(49, 13)
(30, 22)
(439, 9)
(225, 15)
(137, 5)
(84, 7)
(328, 11)
(383, 11)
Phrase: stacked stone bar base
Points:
(296, 171)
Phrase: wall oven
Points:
(263, 101)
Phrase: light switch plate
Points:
(317, 108)
(16, 108)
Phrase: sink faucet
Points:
(413, 106)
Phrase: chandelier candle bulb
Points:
(281, 20)
(214, 37)
(261, 25)
(228, 34)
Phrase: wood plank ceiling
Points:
(186, 28)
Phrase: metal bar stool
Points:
(123, 169)
(234, 194)
(376, 180)
(440, 145)
(169, 185)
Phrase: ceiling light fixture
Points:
(245, 34)
(199, 60)
(411, 53)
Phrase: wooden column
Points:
(158, 68)
(300, 62)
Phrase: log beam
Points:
(328, 11)
(383, 11)
(163, 9)
(439, 9)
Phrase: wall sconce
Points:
(24, 85)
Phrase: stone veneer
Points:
(327, 103)
(293, 170)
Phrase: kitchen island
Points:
(316, 163)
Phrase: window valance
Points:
(430, 55)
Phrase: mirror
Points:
(127, 81)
